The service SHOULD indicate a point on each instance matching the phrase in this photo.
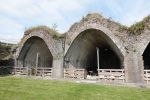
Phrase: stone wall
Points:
(130, 46)
(55, 47)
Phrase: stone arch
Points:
(142, 41)
(40, 35)
(100, 32)
(145, 44)
(146, 57)
(31, 48)
(74, 32)
(145, 52)
(143, 47)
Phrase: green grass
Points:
(51, 31)
(28, 89)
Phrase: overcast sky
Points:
(17, 15)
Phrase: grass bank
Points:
(12, 88)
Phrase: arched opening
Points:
(146, 57)
(35, 53)
(89, 46)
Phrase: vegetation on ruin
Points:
(98, 18)
(135, 29)
(51, 31)
(31, 89)
(89, 16)
(5, 50)
(139, 27)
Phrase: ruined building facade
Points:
(93, 44)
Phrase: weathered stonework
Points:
(128, 47)
(55, 47)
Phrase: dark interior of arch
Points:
(83, 54)
(146, 57)
(28, 55)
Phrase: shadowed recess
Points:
(83, 53)
(146, 57)
(28, 56)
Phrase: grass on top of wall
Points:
(51, 31)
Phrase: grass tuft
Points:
(51, 31)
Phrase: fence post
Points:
(36, 65)
(97, 57)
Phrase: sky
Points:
(18, 15)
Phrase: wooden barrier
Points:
(103, 74)
(40, 71)
(147, 76)
(74, 73)
(44, 71)
(111, 74)
(80, 73)
(20, 70)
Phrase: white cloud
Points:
(126, 12)
(17, 14)
(29, 9)
(10, 30)
(136, 12)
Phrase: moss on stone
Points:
(51, 31)
(92, 16)
(139, 27)
(98, 18)
(135, 29)
(5, 51)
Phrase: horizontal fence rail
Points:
(39, 71)
(44, 71)
(74, 73)
(103, 74)
(20, 70)
(147, 76)
(111, 74)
